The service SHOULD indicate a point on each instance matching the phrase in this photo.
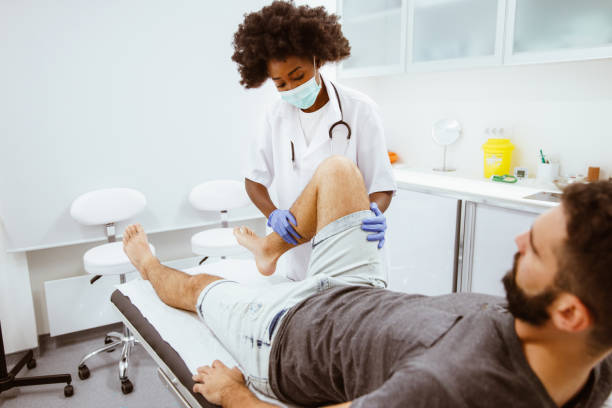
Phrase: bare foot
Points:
(136, 247)
(248, 239)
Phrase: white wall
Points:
(138, 93)
(66, 261)
(563, 108)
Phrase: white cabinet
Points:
(455, 33)
(492, 247)
(393, 36)
(376, 30)
(420, 243)
(558, 30)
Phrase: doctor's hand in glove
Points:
(281, 222)
(377, 225)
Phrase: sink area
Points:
(545, 196)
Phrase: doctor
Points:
(312, 120)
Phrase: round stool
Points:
(220, 196)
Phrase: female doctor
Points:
(312, 120)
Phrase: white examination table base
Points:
(178, 341)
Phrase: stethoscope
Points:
(331, 128)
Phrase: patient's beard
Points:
(530, 309)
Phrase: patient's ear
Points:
(569, 314)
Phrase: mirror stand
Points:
(443, 168)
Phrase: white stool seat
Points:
(216, 242)
(219, 195)
(108, 205)
(108, 259)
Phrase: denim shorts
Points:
(245, 318)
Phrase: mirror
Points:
(445, 132)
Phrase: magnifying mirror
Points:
(445, 132)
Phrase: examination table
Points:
(177, 340)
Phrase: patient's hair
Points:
(283, 30)
(585, 266)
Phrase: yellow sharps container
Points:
(497, 157)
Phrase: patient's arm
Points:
(226, 387)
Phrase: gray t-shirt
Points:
(380, 348)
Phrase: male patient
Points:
(339, 337)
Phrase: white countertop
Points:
(481, 190)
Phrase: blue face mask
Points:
(304, 96)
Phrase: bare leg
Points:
(174, 287)
(336, 189)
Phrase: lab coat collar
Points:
(296, 135)
(333, 115)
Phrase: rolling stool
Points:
(106, 207)
(221, 196)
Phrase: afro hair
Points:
(282, 30)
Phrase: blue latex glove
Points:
(280, 221)
(376, 224)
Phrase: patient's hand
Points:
(215, 382)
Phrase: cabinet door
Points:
(421, 242)
(376, 30)
(493, 245)
(451, 34)
(558, 30)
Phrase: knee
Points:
(338, 166)
(195, 285)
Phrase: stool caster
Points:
(109, 340)
(126, 386)
(31, 364)
(68, 391)
(84, 372)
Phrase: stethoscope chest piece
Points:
(341, 122)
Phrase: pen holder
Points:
(547, 172)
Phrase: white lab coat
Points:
(270, 156)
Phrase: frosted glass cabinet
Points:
(456, 32)
(558, 30)
(393, 36)
(378, 30)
